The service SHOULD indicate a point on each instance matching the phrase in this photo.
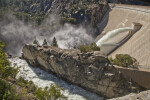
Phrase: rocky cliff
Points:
(72, 11)
(90, 70)
(140, 96)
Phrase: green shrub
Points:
(4, 90)
(89, 48)
(10, 72)
(5, 69)
(64, 20)
(9, 91)
(3, 63)
(71, 20)
(124, 60)
(21, 82)
(53, 93)
(2, 45)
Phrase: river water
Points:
(42, 79)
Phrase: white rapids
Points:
(43, 79)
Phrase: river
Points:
(43, 79)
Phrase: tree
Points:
(2, 45)
(54, 42)
(5, 69)
(44, 42)
(35, 42)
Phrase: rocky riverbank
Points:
(91, 70)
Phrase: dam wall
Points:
(140, 76)
(114, 39)
(138, 46)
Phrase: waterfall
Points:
(111, 34)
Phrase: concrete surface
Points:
(138, 46)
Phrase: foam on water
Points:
(43, 79)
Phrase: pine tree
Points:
(44, 42)
(35, 42)
(54, 42)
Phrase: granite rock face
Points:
(140, 96)
(90, 70)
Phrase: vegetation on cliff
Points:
(124, 60)
(89, 48)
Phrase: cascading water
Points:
(43, 79)
(111, 34)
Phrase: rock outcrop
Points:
(90, 70)
(140, 96)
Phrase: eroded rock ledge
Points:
(91, 70)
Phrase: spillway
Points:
(138, 46)
(111, 34)
(107, 43)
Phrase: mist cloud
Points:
(16, 34)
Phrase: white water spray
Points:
(16, 34)
(111, 34)
(43, 79)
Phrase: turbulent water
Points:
(42, 79)
(16, 33)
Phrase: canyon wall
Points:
(90, 70)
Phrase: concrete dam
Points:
(135, 42)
